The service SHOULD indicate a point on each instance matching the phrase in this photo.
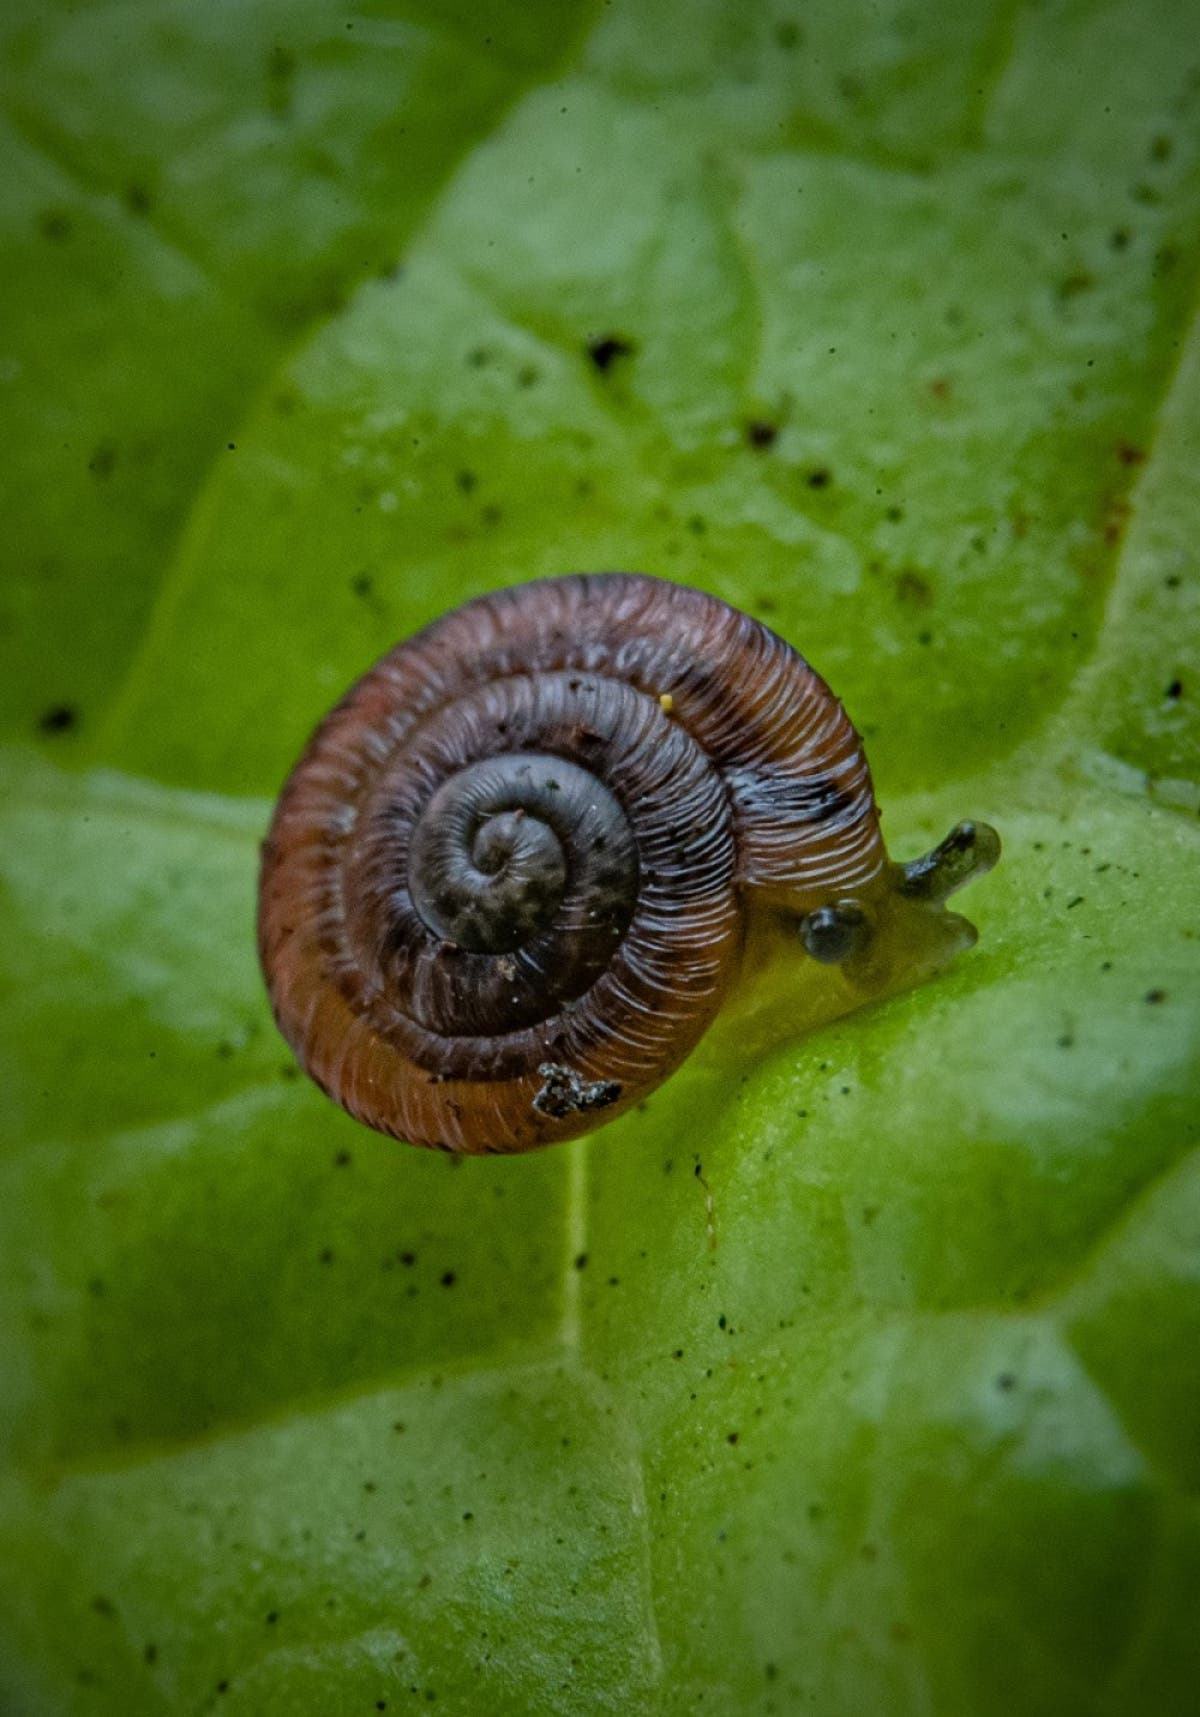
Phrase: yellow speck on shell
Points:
(666, 702)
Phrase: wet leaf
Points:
(853, 1377)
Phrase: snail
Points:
(521, 865)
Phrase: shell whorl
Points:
(504, 890)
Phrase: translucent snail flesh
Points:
(512, 878)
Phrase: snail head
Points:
(901, 928)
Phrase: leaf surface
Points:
(856, 1376)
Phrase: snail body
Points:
(510, 881)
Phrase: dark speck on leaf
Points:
(1175, 690)
(103, 461)
(605, 349)
(913, 587)
(761, 433)
(448, 1278)
(1071, 285)
(55, 225)
(138, 199)
(1156, 996)
(59, 718)
(281, 67)
(821, 478)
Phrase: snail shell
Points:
(508, 884)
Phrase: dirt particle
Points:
(565, 1092)
(59, 718)
(761, 433)
(605, 349)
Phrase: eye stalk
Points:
(968, 851)
(833, 934)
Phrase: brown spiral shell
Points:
(506, 886)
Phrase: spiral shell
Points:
(507, 886)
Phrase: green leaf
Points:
(853, 1373)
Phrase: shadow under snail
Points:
(523, 863)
